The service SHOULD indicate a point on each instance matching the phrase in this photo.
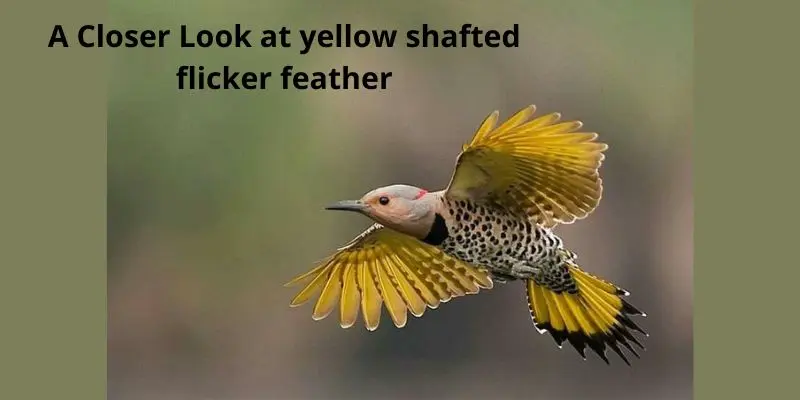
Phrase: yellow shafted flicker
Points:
(493, 223)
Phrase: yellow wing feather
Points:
(382, 267)
(351, 297)
(541, 168)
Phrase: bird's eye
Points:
(383, 200)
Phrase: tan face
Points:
(387, 208)
(398, 207)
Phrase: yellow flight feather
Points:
(556, 320)
(330, 293)
(486, 127)
(384, 268)
(414, 275)
(541, 168)
(537, 302)
(391, 298)
(596, 316)
(516, 120)
(582, 317)
(313, 287)
(565, 312)
(351, 298)
(371, 300)
(414, 302)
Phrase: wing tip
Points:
(316, 317)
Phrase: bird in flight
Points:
(512, 184)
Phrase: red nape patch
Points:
(422, 192)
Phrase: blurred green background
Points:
(215, 200)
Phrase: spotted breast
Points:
(509, 246)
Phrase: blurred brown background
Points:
(215, 200)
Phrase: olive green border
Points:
(53, 214)
(53, 158)
(745, 161)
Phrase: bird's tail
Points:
(596, 315)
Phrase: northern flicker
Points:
(512, 184)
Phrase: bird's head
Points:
(404, 208)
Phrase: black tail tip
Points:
(618, 336)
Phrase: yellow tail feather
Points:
(596, 315)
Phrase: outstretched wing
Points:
(542, 168)
(384, 267)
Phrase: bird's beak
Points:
(348, 205)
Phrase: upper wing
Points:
(541, 168)
(382, 266)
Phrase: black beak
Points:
(347, 205)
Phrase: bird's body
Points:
(493, 223)
(509, 246)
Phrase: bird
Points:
(513, 183)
